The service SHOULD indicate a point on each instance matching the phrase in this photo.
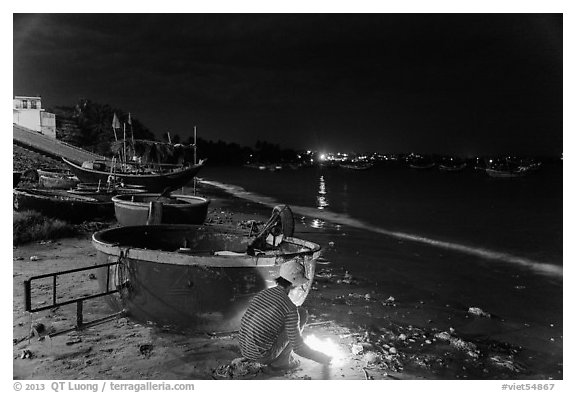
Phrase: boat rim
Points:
(175, 258)
(39, 193)
(120, 199)
(139, 175)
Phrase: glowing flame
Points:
(328, 347)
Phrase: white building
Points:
(28, 113)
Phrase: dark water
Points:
(517, 219)
(450, 241)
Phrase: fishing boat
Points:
(58, 183)
(451, 164)
(147, 208)
(417, 161)
(176, 176)
(104, 194)
(56, 178)
(61, 204)
(452, 168)
(54, 172)
(357, 166)
(124, 189)
(196, 277)
(505, 173)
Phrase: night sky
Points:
(465, 84)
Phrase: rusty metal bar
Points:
(79, 301)
(108, 277)
(54, 290)
(79, 316)
(73, 301)
(27, 296)
(55, 303)
(73, 270)
(90, 324)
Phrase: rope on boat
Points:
(124, 272)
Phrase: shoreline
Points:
(398, 330)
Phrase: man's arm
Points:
(299, 346)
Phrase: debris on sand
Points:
(356, 349)
(238, 368)
(146, 349)
(26, 354)
(458, 343)
(506, 362)
(74, 339)
(37, 329)
(476, 311)
(34, 258)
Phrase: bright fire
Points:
(328, 347)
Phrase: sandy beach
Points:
(382, 329)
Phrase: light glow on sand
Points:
(328, 347)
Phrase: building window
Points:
(25, 104)
(33, 104)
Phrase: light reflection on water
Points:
(317, 223)
(321, 200)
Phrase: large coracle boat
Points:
(136, 209)
(153, 181)
(192, 276)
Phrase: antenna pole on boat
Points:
(124, 142)
(194, 158)
(194, 145)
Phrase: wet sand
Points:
(398, 318)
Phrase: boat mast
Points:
(124, 142)
(194, 145)
(194, 158)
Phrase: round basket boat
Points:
(135, 209)
(196, 277)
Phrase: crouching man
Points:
(272, 325)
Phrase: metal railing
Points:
(80, 324)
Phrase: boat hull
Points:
(198, 289)
(151, 182)
(133, 209)
(503, 174)
(16, 178)
(58, 183)
(61, 205)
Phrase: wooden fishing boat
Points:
(456, 167)
(94, 172)
(197, 277)
(126, 188)
(357, 166)
(60, 204)
(135, 209)
(54, 172)
(104, 193)
(56, 178)
(58, 183)
(422, 165)
(417, 161)
(505, 173)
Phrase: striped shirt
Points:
(268, 314)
